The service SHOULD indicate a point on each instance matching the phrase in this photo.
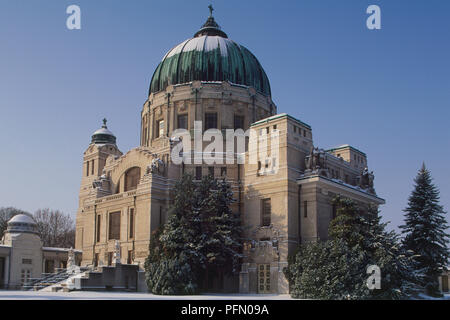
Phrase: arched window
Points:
(132, 177)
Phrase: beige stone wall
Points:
(152, 197)
(195, 100)
(26, 257)
(281, 181)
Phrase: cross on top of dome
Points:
(211, 9)
(210, 28)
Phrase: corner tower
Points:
(103, 145)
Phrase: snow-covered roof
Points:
(210, 56)
(22, 218)
(346, 146)
(59, 249)
(203, 43)
(280, 115)
(103, 131)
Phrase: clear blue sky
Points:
(385, 92)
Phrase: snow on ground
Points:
(425, 297)
(89, 295)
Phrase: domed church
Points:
(284, 197)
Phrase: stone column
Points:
(148, 117)
(152, 125)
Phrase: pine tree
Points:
(425, 229)
(399, 276)
(336, 269)
(170, 266)
(220, 229)
(201, 237)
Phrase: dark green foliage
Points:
(336, 269)
(201, 237)
(425, 229)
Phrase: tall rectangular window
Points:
(198, 173)
(211, 171)
(114, 226)
(159, 128)
(333, 211)
(238, 122)
(130, 257)
(87, 168)
(99, 219)
(144, 138)
(266, 212)
(305, 209)
(110, 258)
(210, 121)
(183, 121)
(131, 223)
(92, 167)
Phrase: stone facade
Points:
(292, 190)
(284, 198)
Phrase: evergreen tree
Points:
(200, 238)
(326, 270)
(336, 269)
(220, 229)
(425, 229)
(172, 251)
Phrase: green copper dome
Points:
(210, 56)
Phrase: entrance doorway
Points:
(444, 280)
(264, 278)
(49, 266)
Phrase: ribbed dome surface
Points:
(210, 56)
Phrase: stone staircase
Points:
(55, 281)
(119, 277)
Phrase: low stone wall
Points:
(121, 277)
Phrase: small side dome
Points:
(103, 135)
(22, 223)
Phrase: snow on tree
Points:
(336, 268)
(425, 229)
(200, 238)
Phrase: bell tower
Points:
(103, 145)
